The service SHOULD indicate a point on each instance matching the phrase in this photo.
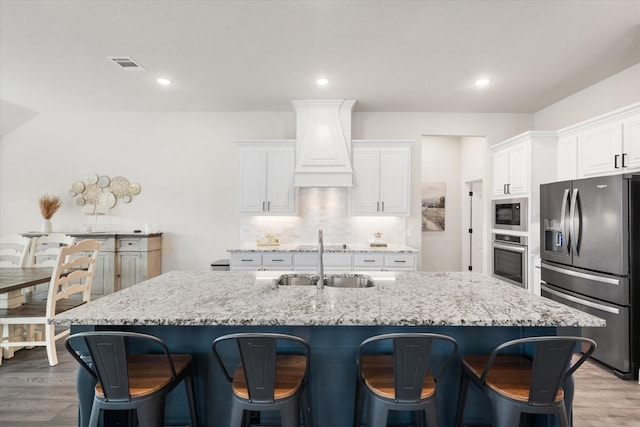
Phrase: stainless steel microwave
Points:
(510, 214)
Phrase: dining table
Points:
(13, 280)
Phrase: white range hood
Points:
(323, 143)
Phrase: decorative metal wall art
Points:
(100, 193)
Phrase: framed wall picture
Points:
(433, 205)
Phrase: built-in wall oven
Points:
(510, 254)
(510, 214)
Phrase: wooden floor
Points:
(33, 394)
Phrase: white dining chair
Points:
(44, 249)
(70, 286)
(14, 250)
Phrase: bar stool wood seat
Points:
(267, 379)
(127, 381)
(520, 384)
(402, 379)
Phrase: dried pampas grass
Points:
(49, 205)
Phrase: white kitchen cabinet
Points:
(248, 261)
(277, 261)
(368, 261)
(381, 172)
(307, 261)
(400, 262)
(511, 170)
(608, 144)
(567, 154)
(265, 177)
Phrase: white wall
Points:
(617, 91)
(186, 165)
(441, 250)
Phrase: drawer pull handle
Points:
(369, 260)
(246, 260)
(277, 260)
(400, 260)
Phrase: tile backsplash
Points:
(326, 209)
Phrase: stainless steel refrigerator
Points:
(590, 250)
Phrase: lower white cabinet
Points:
(332, 261)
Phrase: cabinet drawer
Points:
(284, 260)
(305, 259)
(338, 261)
(129, 244)
(366, 260)
(400, 261)
(245, 260)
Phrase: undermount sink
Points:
(331, 280)
(297, 280)
(353, 281)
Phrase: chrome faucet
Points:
(320, 283)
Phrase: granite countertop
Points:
(327, 248)
(397, 299)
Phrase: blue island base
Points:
(332, 375)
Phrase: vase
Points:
(46, 226)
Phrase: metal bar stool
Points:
(403, 380)
(267, 380)
(132, 381)
(518, 384)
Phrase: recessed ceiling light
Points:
(483, 82)
(322, 81)
(163, 81)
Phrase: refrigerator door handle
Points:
(572, 222)
(607, 280)
(581, 301)
(563, 214)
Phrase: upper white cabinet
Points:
(265, 177)
(605, 145)
(381, 172)
(511, 170)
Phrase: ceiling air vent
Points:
(126, 63)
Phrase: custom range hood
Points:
(323, 143)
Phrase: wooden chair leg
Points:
(50, 338)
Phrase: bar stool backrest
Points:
(258, 356)
(551, 364)
(411, 356)
(108, 351)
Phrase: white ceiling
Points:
(259, 55)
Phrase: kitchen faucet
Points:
(320, 283)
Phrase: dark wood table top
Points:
(12, 279)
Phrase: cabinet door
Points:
(365, 194)
(600, 150)
(337, 261)
(500, 172)
(252, 172)
(631, 143)
(129, 269)
(567, 159)
(280, 191)
(518, 170)
(103, 277)
(394, 181)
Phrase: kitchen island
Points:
(189, 309)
